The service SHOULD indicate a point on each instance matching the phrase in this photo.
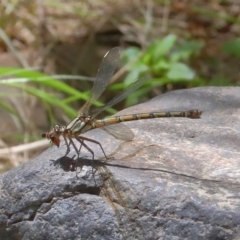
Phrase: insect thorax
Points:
(80, 124)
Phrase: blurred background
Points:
(50, 52)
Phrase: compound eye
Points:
(44, 135)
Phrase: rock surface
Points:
(178, 179)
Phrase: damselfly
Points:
(86, 121)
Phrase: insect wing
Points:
(119, 131)
(105, 72)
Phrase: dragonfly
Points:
(113, 125)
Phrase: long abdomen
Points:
(131, 117)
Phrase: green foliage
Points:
(219, 81)
(24, 75)
(232, 47)
(164, 60)
(43, 87)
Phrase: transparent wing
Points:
(105, 72)
(119, 131)
(130, 89)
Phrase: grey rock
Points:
(178, 179)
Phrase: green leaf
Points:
(232, 47)
(186, 50)
(160, 67)
(138, 70)
(9, 109)
(219, 81)
(130, 54)
(147, 57)
(156, 82)
(117, 86)
(180, 71)
(44, 80)
(49, 98)
(162, 47)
